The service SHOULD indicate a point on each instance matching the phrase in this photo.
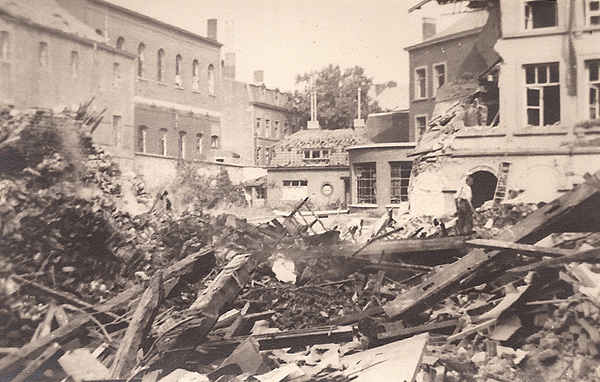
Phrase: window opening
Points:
(543, 94)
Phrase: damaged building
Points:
(538, 137)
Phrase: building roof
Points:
(339, 139)
(48, 14)
(470, 23)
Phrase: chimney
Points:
(229, 65)
(428, 27)
(259, 77)
(359, 127)
(211, 29)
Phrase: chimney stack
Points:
(428, 27)
(211, 29)
(229, 65)
(259, 77)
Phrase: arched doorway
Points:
(483, 188)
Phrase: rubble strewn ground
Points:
(162, 296)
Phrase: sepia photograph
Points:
(299, 190)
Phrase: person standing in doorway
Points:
(464, 207)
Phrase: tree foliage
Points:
(337, 96)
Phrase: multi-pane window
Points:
(439, 72)
(195, 76)
(141, 59)
(540, 14)
(141, 146)
(420, 125)
(4, 45)
(211, 79)
(116, 126)
(316, 154)
(162, 142)
(74, 64)
(294, 189)
(593, 12)
(365, 183)
(181, 144)
(261, 193)
(198, 144)
(178, 70)
(420, 83)
(160, 65)
(400, 178)
(543, 94)
(593, 77)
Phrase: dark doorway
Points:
(483, 188)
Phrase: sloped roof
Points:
(470, 22)
(340, 139)
(47, 13)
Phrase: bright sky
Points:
(289, 37)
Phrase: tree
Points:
(337, 96)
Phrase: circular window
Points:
(326, 189)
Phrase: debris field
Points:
(91, 292)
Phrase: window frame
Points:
(214, 141)
(366, 183)
(528, 21)
(591, 14)
(160, 65)
(199, 148)
(418, 134)
(142, 136)
(417, 82)
(181, 144)
(211, 79)
(593, 85)
(436, 76)
(178, 70)
(195, 75)
(399, 181)
(163, 142)
(141, 60)
(540, 88)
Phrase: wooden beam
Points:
(393, 332)
(525, 249)
(404, 246)
(592, 255)
(529, 230)
(31, 368)
(467, 332)
(125, 358)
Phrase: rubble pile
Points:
(90, 292)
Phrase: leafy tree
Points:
(337, 96)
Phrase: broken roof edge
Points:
(445, 38)
(400, 145)
(71, 36)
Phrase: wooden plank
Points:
(394, 332)
(61, 316)
(592, 255)
(467, 332)
(404, 246)
(45, 327)
(202, 315)
(125, 358)
(529, 230)
(15, 361)
(37, 363)
(526, 249)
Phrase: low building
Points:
(312, 163)
(391, 126)
(380, 176)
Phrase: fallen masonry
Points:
(93, 293)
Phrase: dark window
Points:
(181, 144)
(543, 94)
(421, 125)
(160, 65)
(540, 14)
(178, 70)
(593, 69)
(440, 75)
(420, 83)
(162, 142)
(211, 79)
(141, 59)
(141, 146)
(120, 43)
(198, 144)
(214, 142)
(195, 75)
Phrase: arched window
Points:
(141, 59)
(141, 141)
(74, 64)
(159, 65)
(178, 70)
(214, 142)
(198, 144)
(120, 44)
(211, 79)
(195, 75)
(4, 45)
(162, 142)
(116, 75)
(181, 144)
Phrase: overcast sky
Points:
(289, 37)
